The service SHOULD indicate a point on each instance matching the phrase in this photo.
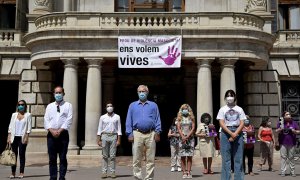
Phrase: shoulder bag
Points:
(8, 157)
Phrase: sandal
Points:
(184, 176)
(205, 171)
(210, 171)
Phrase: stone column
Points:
(227, 80)
(204, 88)
(67, 5)
(93, 106)
(70, 85)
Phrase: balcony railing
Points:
(131, 21)
(10, 38)
(289, 36)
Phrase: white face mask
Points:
(110, 109)
(230, 100)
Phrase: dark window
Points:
(291, 98)
(149, 5)
(7, 16)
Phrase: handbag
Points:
(217, 143)
(8, 157)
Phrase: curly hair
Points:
(191, 114)
(204, 116)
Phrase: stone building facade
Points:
(250, 46)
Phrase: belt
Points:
(109, 133)
(232, 126)
(143, 132)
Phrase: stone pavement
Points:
(88, 168)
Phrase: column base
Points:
(73, 150)
(90, 150)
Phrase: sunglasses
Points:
(21, 104)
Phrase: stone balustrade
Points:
(289, 36)
(10, 37)
(129, 21)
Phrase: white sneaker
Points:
(189, 176)
(172, 169)
(179, 169)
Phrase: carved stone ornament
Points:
(43, 5)
(256, 6)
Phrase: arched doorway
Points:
(167, 88)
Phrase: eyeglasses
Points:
(58, 109)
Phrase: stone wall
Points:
(35, 88)
(262, 97)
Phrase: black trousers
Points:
(58, 146)
(249, 154)
(18, 147)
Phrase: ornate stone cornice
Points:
(256, 6)
(43, 5)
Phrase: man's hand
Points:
(157, 137)
(130, 139)
(54, 132)
(99, 142)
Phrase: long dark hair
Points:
(264, 121)
(25, 105)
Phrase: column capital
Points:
(94, 62)
(228, 62)
(70, 62)
(204, 62)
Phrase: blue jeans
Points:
(58, 146)
(234, 149)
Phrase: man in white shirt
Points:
(109, 137)
(57, 121)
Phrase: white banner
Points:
(149, 51)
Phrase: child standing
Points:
(173, 136)
(206, 133)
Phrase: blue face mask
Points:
(247, 122)
(58, 97)
(21, 108)
(142, 96)
(185, 112)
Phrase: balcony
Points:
(127, 21)
(290, 36)
(287, 43)
(208, 35)
(10, 38)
